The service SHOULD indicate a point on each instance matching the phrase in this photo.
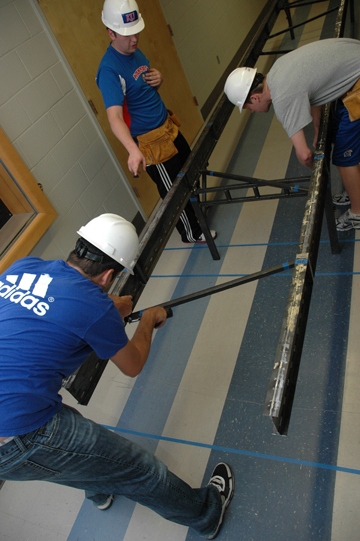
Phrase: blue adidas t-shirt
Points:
(51, 319)
(120, 79)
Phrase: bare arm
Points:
(304, 154)
(124, 304)
(121, 131)
(316, 114)
(132, 358)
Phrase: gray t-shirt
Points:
(312, 75)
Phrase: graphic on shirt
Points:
(139, 71)
(18, 291)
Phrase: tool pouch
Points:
(351, 100)
(158, 145)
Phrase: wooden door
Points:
(83, 39)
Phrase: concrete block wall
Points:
(49, 122)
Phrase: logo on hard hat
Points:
(130, 17)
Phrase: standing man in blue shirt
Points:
(53, 314)
(137, 115)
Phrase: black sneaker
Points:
(107, 504)
(223, 479)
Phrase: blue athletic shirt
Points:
(51, 319)
(120, 79)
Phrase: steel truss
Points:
(157, 232)
(289, 188)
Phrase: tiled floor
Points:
(201, 395)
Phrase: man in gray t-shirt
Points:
(297, 85)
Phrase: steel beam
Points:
(281, 390)
(290, 187)
(283, 379)
(303, 23)
(136, 316)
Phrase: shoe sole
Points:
(202, 241)
(226, 502)
(107, 505)
(347, 228)
(346, 225)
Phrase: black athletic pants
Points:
(163, 174)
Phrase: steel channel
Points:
(302, 24)
(229, 200)
(281, 389)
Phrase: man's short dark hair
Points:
(91, 260)
(257, 86)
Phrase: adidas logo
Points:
(19, 293)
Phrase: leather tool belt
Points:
(351, 100)
(158, 145)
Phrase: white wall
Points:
(48, 120)
(207, 29)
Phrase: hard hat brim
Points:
(140, 25)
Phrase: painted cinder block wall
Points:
(49, 122)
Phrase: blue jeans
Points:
(74, 451)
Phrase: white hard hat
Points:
(238, 85)
(114, 236)
(122, 17)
